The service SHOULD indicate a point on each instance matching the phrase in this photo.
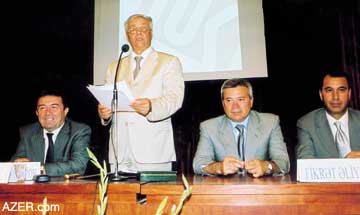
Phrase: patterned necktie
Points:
(241, 145)
(137, 68)
(341, 140)
(50, 151)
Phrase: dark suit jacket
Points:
(70, 147)
(315, 139)
(264, 141)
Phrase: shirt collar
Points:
(244, 122)
(144, 54)
(55, 132)
(344, 119)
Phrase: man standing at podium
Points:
(57, 142)
(145, 136)
(332, 131)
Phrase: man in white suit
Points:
(145, 137)
(261, 151)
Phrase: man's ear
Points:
(66, 111)
(320, 94)
(349, 94)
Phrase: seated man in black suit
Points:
(56, 141)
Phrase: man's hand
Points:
(142, 106)
(104, 112)
(256, 167)
(21, 160)
(229, 165)
(353, 154)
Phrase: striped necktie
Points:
(341, 140)
(240, 142)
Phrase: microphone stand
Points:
(114, 107)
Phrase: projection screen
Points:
(213, 39)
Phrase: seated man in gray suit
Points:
(242, 139)
(332, 131)
(56, 141)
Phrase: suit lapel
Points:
(354, 131)
(61, 141)
(253, 130)
(148, 68)
(125, 72)
(226, 137)
(38, 146)
(324, 131)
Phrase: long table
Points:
(210, 195)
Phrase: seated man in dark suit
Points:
(56, 141)
(334, 130)
(242, 138)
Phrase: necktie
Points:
(241, 145)
(50, 151)
(341, 140)
(137, 68)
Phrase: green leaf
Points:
(162, 206)
(103, 182)
(186, 183)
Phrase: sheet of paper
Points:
(104, 94)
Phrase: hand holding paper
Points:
(104, 95)
(142, 106)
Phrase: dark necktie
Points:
(50, 151)
(241, 145)
(137, 68)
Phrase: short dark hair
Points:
(54, 92)
(335, 74)
(235, 82)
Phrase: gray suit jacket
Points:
(315, 139)
(264, 141)
(70, 147)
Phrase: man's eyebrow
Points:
(56, 104)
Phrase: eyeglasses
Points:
(139, 29)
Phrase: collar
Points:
(144, 54)
(245, 122)
(55, 132)
(344, 119)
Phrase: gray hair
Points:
(148, 18)
(235, 82)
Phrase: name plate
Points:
(328, 170)
(18, 171)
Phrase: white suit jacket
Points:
(150, 138)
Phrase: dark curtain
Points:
(349, 25)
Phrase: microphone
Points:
(114, 106)
(124, 48)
